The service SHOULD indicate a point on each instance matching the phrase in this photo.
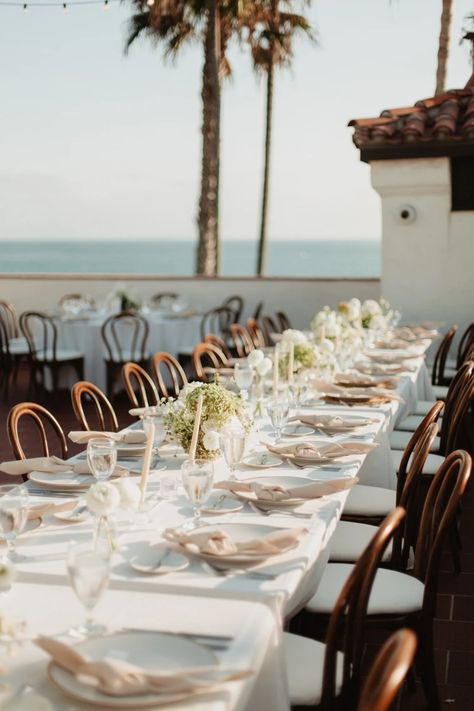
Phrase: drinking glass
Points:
(278, 411)
(102, 457)
(243, 376)
(153, 416)
(232, 445)
(197, 477)
(14, 504)
(88, 572)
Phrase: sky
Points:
(98, 145)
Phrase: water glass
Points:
(14, 506)
(232, 446)
(243, 376)
(197, 476)
(154, 417)
(278, 411)
(102, 457)
(88, 572)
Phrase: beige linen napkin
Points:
(356, 380)
(307, 453)
(50, 508)
(219, 543)
(120, 678)
(330, 421)
(313, 490)
(51, 465)
(127, 437)
(373, 368)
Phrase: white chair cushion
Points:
(304, 665)
(410, 423)
(432, 464)
(369, 501)
(399, 440)
(60, 355)
(423, 407)
(392, 592)
(440, 391)
(350, 539)
(17, 346)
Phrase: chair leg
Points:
(426, 665)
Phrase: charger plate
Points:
(64, 481)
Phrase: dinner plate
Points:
(130, 450)
(297, 430)
(64, 481)
(158, 560)
(261, 460)
(287, 482)
(148, 649)
(220, 502)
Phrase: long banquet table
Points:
(197, 597)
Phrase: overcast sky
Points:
(97, 145)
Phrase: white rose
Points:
(129, 492)
(292, 335)
(255, 357)
(211, 440)
(333, 330)
(326, 346)
(7, 574)
(102, 498)
(378, 323)
(264, 366)
(370, 308)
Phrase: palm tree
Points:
(270, 36)
(443, 46)
(173, 23)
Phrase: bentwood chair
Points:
(438, 376)
(243, 344)
(284, 321)
(90, 404)
(45, 355)
(258, 310)
(320, 676)
(34, 432)
(13, 347)
(269, 326)
(162, 298)
(139, 386)
(169, 374)
(218, 321)
(236, 304)
(207, 359)
(466, 344)
(388, 672)
(125, 336)
(398, 599)
(219, 343)
(255, 333)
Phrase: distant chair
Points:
(13, 347)
(163, 298)
(50, 438)
(284, 320)
(258, 310)
(87, 396)
(441, 357)
(208, 358)
(236, 304)
(255, 333)
(243, 344)
(219, 342)
(169, 374)
(125, 336)
(270, 326)
(218, 321)
(44, 353)
(139, 386)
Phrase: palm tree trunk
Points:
(263, 243)
(443, 47)
(208, 219)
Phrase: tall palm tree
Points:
(443, 46)
(270, 35)
(173, 23)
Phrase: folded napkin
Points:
(50, 508)
(51, 465)
(352, 400)
(280, 493)
(307, 452)
(384, 369)
(219, 543)
(127, 437)
(330, 421)
(120, 678)
(356, 380)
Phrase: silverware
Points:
(243, 572)
(219, 501)
(278, 511)
(53, 494)
(216, 641)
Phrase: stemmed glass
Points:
(232, 445)
(243, 376)
(102, 457)
(88, 572)
(14, 506)
(197, 477)
(278, 411)
(152, 416)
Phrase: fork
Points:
(230, 571)
(278, 512)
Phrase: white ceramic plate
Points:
(130, 450)
(71, 517)
(288, 482)
(220, 502)
(158, 560)
(148, 649)
(66, 481)
(261, 460)
(297, 430)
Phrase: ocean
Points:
(318, 258)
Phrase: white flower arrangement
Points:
(129, 493)
(102, 498)
(292, 335)
(255, 357)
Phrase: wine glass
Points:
(102, 457)
(14, 506)
(197, 476)
(243, 376)
(278, 411)
(88, 572)
(232, 445)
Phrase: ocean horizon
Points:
(297, 258)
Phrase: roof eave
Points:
(440, 149)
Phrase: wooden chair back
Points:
(219, 343)
(51, 437)
(41, 335)
(139, 386)
(125, 336)
(439, 363)
(258, 310)
(236, 304)
(269, 326)
(457, 434)
(255, 332)
(88, 397)
(465, 345)
(284, 320)
(452, 416)
(388, 671)
(9, 318)
(206, 355)
(439, 511)
(218, 321)
(348, 617)
(169, 374)
(243, 344)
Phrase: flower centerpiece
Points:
(219, 408)
(304, 352)
(261, 365)
(101, 500)
(126, 298)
